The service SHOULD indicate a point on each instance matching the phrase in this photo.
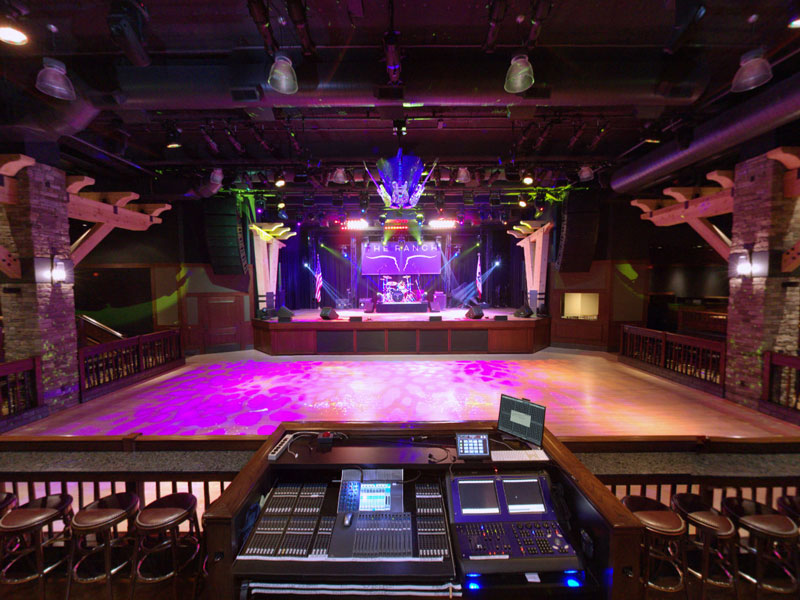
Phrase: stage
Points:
(403, 333)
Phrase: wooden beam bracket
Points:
(11, 164)
(790, 259)
(788, 156)
(724, 178)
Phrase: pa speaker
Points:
(439, 302)
(579, 226)
(523, 312)
(224, 236)
(285, 312)
(475, 312)
(328, 313)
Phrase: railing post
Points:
(663, 349)
(141, 353)
(37, 377)
(766, 376)
(722, 359)
(81, 374)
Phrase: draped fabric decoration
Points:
(400, 187)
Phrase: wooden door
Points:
(222, 320)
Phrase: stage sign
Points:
(409, 258)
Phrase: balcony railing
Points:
(690, 360)
(780, 386)
(113, 365)
(20, 387)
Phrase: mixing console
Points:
(380, 535)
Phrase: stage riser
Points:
(410, 337)
(404, 307)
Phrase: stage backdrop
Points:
(394, 258)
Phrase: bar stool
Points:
(30, 519)
(157, 531)
(713, 554)
(664, 544)
(772, 545)
(7, 502)
(99, 519)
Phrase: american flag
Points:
(478, 276)
(318, 278)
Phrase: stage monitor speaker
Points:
(224, 236)
(328, 313)
(367, 305)
(523, 312)
(580, 223)
(475, 312)
(435, 318)
(356, 319)
(285, 312)
(284, 319)
(501, 317)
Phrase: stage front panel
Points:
(334, 342)
(469, 340)
(433, 340)
(372, 341)
(395, 258)
(403, 341)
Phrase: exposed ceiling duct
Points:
(574, 77)
(777, 106)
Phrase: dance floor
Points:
(586, 393)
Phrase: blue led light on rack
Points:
(474, 585)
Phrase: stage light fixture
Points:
(212, 145)
(173, 136)
(586, 173)
(356, 224)
(527, 179)
(281, 205)
(519, 76)
(282, 77)
(460, 218)
(339, 176)
(442, 223)
(280, 181)
(420, 218)
(282, 215)
(127, 21)
(540, 202)
(399, 127)
(52, 80)
(439, 202)
(521, 201)
(10, 32)
(363, 202)
(497, 263)
(754, 71)
(392, 55)
(794, 23)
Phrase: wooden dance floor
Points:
(586, 393)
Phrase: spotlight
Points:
(10, 33)
(363, 202)
(52, 80)
(585, 173)
(527, 179)
(339, 176)
(420, 218)
(540, 202)
(392, 54)
(442, 223)
(212, 145)
(282, 215)
(280, 181)
(173, 136)
(519, 76)
(795, 22)
(439, 202)
(127, 20)
(281, 205)
(521, 201)
(497, 263)
(754, 71)
(282, 77)
(460, 218)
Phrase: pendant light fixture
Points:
(282, 77)
(52, 80)
(519, 76)
(754, 71)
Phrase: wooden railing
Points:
(109, 366)
(20, 386)
(780, 386)
(690, 360)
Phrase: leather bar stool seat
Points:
(157, 531)
(663, 549)
(713, 553)
(771, 560)
(99, 519)
(26, 523)
(790, 506)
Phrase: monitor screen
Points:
(478, 497)
(521, 418)
(375, 496)
(523, 495)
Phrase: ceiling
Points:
(609, 75)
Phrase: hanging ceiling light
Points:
(754, 71)
(173, 136)
(522, 201)
(519, 76)
(527, 179)
(586, 173)
(52, 80)
(339, 176)
(282, 77)
(280, 181)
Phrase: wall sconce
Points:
(744, 268)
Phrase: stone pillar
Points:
(763, 309)
(38, 315)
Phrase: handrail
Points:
(99, 325)
(116, 364)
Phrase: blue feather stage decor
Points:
(400, 175)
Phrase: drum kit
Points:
(399, 291)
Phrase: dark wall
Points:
(690, 282)
(120, 298)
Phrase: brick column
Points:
(763, 309)
(38, 315)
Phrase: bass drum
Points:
(397, 296)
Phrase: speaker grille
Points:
(224, 236)
(579, 226)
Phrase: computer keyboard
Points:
(519, 455)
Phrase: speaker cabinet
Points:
(523, 312)
(367, 305)
(439, 302)
(358, 319)
(435, 318)
(474, 312)
(224, 236)
(328, 313)
(579, 225)
(285, 312)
